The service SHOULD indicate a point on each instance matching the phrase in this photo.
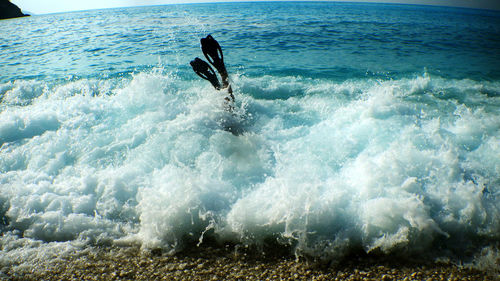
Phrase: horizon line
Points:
(376, 2)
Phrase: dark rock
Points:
(9, 10)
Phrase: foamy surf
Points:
(351, 133)
(358, 164)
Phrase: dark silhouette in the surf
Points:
(213, 52)
(205, 71)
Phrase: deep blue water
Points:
(362, 126)
(320, 40)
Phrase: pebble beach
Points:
(132, 263)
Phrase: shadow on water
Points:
(235, 121)
(4, 220)
(234, 128)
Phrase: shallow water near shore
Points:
(361, 127)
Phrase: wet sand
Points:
(207, 263)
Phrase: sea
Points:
(371, 128)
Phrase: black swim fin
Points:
(203, 69)
(213, 52)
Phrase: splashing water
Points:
(400, 157)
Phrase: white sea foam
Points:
(392, 166)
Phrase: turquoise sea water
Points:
(362, 127)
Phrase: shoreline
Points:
(217, 263)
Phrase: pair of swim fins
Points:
(213, 52)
